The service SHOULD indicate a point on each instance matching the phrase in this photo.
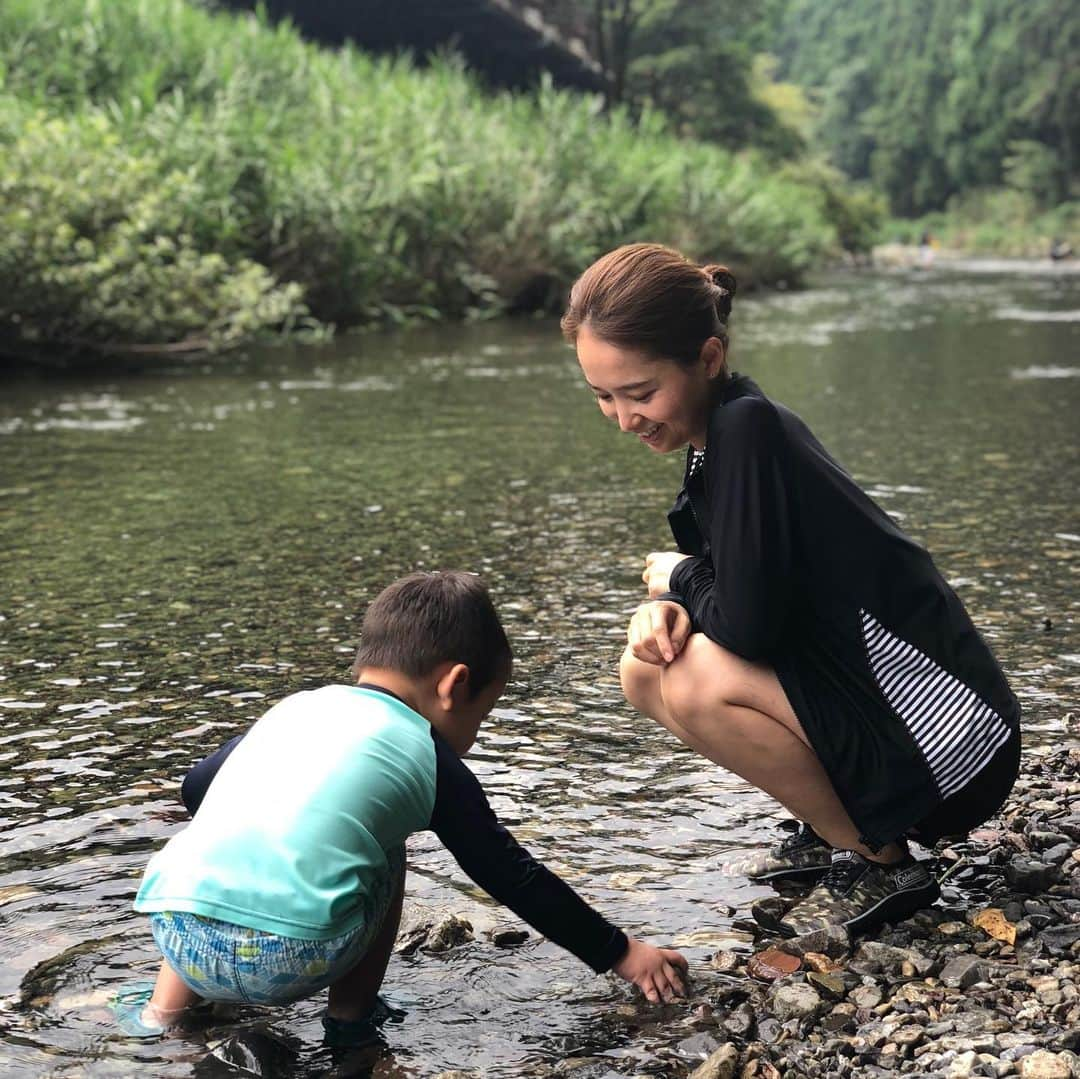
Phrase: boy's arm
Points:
(466, 824)
(197, 781)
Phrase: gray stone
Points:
(1028, 875)
(866, 996)
(740, 1022)
(832, 941)
(698, 1046)
(875, 958)
(1059, 938)
(769, 1030)
(1058, 854)
(795, 1002)
(963, 971)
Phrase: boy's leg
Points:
(736, 713)
(170, 997)
(353, 996)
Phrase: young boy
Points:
(290, 877)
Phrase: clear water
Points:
(183, 546)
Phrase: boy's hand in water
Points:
(658, 631)
(657, 572)
(657, 972)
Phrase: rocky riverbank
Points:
(985, 983)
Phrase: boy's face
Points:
(468, 715)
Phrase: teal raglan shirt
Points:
(293, 831)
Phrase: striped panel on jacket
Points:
(956, 731)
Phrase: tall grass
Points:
(170, 174)
(992, 221)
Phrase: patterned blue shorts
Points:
(225, 962)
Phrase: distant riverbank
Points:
(177, 180)
(997, 223)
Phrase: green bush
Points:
(95, 249)
(173, 175)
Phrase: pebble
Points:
(934, 997)
(721, 1065)
(795, 1002)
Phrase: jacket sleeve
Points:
(739, 596)
(466, 824)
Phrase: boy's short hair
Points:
(426, 619)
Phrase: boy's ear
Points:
(452, 685)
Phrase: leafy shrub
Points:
(95, 248)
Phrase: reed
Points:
(171, 173)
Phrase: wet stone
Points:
(698, 1046)
(508, 938)
(740, 1022)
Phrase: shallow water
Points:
(184, 546)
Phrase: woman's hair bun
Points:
(724, 280)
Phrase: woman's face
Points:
(664, 403)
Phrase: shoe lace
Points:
(841, 875)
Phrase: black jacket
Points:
(796, 567)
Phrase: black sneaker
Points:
(860, 895)
(803, 855)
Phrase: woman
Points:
(797, 637)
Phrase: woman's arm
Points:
(740, 596)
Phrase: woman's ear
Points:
(713, 356)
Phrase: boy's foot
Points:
(859, 895)
(803, 855)
(129, 1004)
(353, 1033)
(350, 1033)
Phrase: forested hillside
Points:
(932, 98)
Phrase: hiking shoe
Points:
(803, 855)
(859, 895)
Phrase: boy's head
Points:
(440, 628)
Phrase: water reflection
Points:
(183, 546)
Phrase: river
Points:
(183, 546)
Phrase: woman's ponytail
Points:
(725, 283)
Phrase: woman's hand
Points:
(658, 567)
(658, 631)
(657, 972)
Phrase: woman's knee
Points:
(640, 683)
(702, 682)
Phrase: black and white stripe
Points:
(956, 731)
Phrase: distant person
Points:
(926, 250)
(797, 637)
(290, 877)
(1060, 249)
